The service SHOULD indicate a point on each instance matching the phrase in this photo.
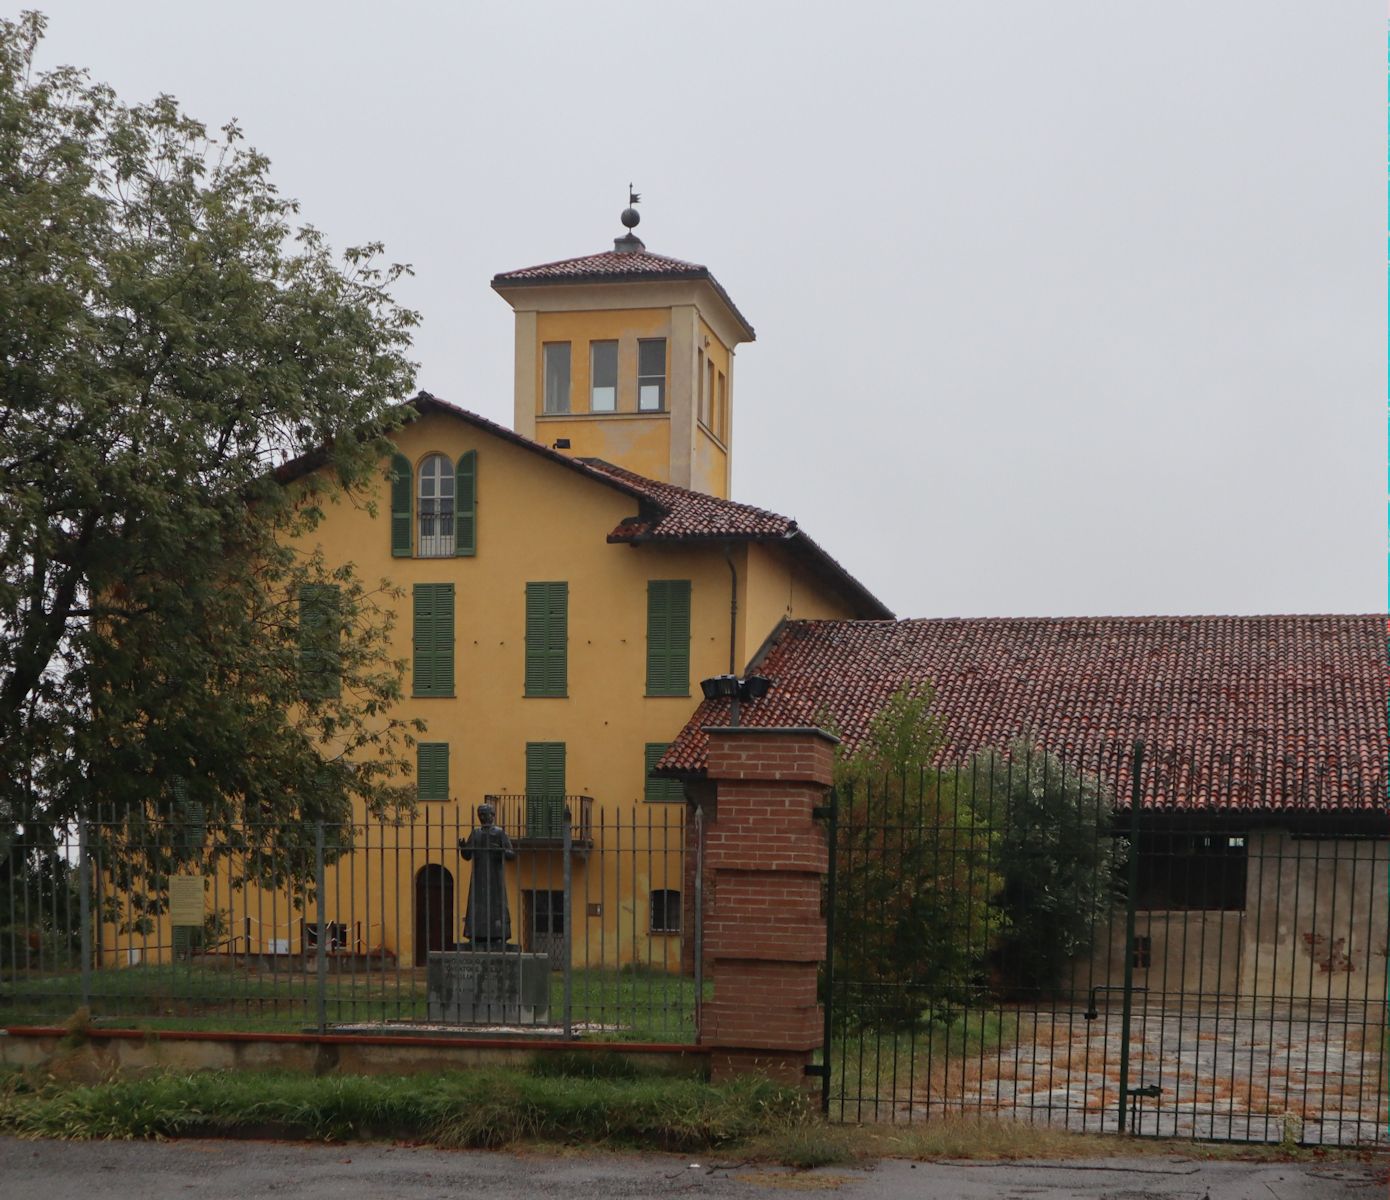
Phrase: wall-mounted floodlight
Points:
(734, 689)
(560, 444)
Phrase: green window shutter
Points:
(319, 665)
(547, 639)
(432, 770)
(402, 496)
(433, 639)
(668, 637)
(659, 791)
(466, 506)
(545, 789)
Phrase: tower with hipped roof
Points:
(628, 356)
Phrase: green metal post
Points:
(831, 833)
(569, 924)
(321, 950)
(1135, 793)
(84, 894)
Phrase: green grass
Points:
(617, 1005)
(602, 1107)
(473, 1109)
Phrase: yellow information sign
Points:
(186, 900)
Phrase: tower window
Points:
(651, 374)
(709, 394)
(700, 382)
(436, 507)
(603, 376)
(557, 377)
(721, 408)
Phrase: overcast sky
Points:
(1064, 308)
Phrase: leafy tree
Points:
(914, 881)
(168, 336)
(1057, 859)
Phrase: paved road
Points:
(155, 1170)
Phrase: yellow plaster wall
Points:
(772, 589)
(711, 469)
(639, 442)
(537, 521)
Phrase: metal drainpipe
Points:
(733, 606)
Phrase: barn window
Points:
(1188, 870)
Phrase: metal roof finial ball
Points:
(630, 215)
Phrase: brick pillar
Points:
(764, 935)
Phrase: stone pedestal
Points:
(481, 987)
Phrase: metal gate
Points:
(1087, 945)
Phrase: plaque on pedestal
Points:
(488, 987)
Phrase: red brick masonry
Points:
(764, 935)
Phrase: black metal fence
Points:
(161, 922)
(1015, 937)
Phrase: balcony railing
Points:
(538, 819)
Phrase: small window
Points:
(1143, 952)
(651, 375)
(665, 911)
(337, 938)
(557, 377)
(603, 376)
(709, 392)
(721, 408)
(436, 507)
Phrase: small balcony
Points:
(537, 821)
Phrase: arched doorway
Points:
(434, 911)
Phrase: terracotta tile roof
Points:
(1238, 713)
(679, 514)
(604, 265)
(617, 266)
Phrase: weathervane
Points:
(631, 216)
(630, 243)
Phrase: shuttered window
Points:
(545, 789)
(433, 640)
(319, 664)
(402, 492)
(668, 637)
(659, 791)
(432, 770)
(547, 638)
(466, 519)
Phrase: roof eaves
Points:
(693, 273)
(876, 609)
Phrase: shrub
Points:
(1054, 851)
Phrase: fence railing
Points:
(538, 818)
(164, 922)
(1030, 938)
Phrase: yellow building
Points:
(565, 588)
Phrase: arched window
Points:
(436, 507)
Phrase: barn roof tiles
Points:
(1237, 713)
